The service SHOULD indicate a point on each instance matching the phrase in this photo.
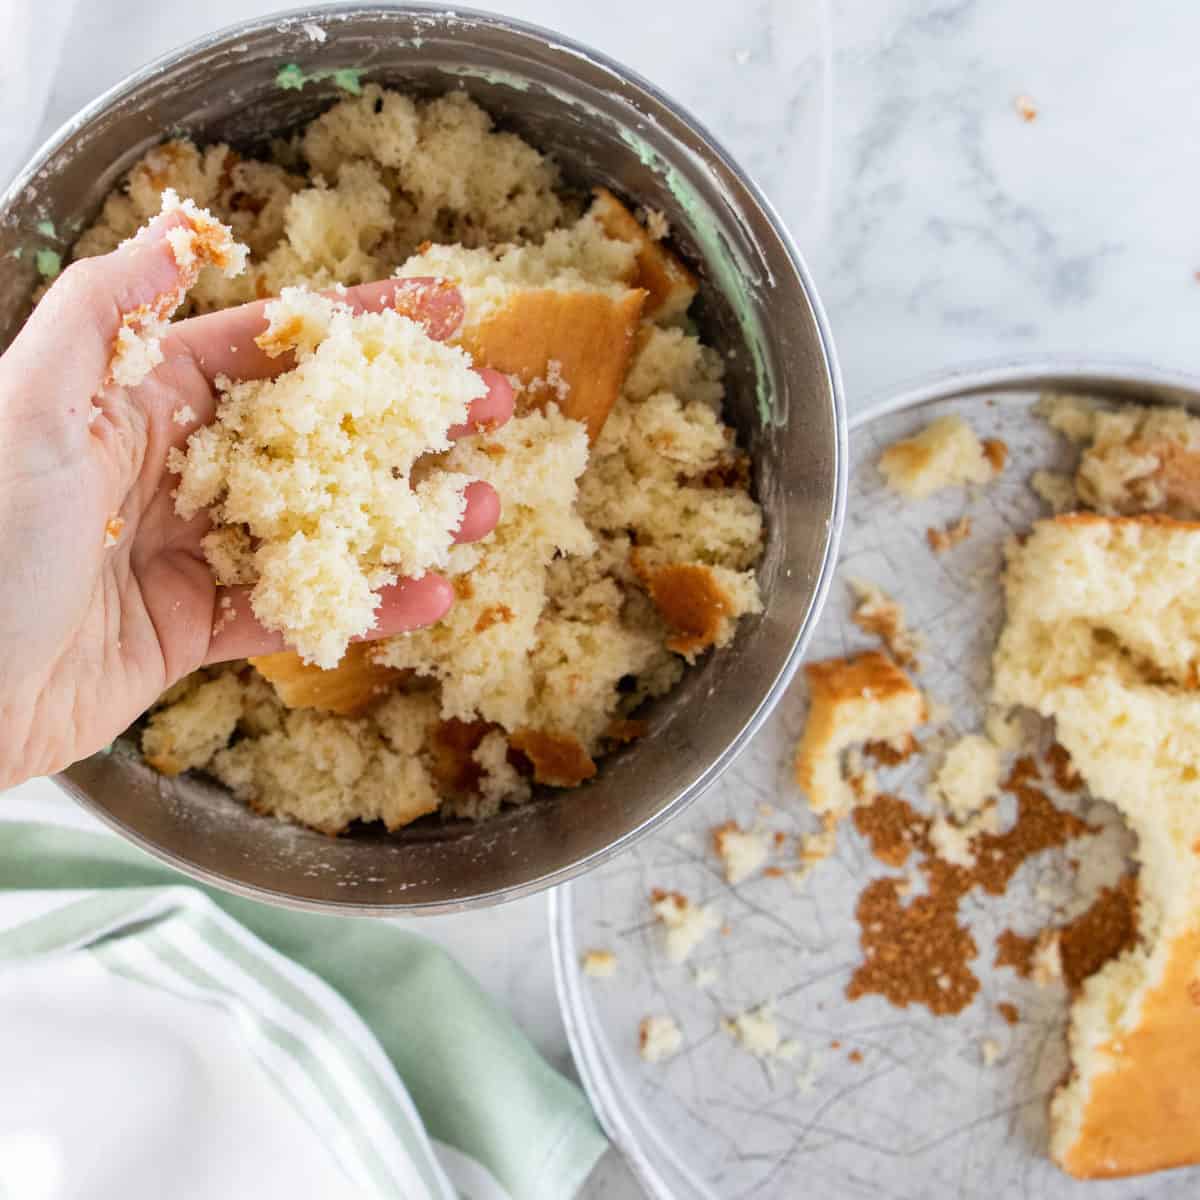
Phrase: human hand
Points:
(92, 633)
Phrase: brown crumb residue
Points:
(892, 752)
(1085, 944)
(1039, 826)
(494, 614)
(464, 589)
(941, 540)
(892, 827)
(1063, 769)
(916, 953)
(558, 759)
(996, 452)
(919, 953)
(1026, 108)
(855, 1056)
(692, 602)
(1009, 1011)
(774, 872)
(1016, 951)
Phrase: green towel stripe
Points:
(71, 925)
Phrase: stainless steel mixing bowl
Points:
(605, 126)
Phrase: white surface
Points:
(119, 1081)
(955, 231)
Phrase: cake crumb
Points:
(1026, 108)
(659, 1037)
(93, 412)
(184, 415)
(941, 540)
(944, 454)
(686, 924)
(877, 613)
(1056, 489)
(657, 225)
(1008, 1011)
(112, 531)
(755, 1031)
(317, 581)
(1004, 729)
(741, 851)
(968, 776)
(600, 964)
(200, 240)
(989, 1051)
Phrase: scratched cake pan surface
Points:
(870, 1099)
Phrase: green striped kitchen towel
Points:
(404, 1071)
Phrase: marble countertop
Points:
(942, 226)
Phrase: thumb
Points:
(82, 313)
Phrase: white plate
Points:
(920, 1116)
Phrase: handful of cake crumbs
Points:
(312, 480)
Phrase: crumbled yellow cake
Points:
(851, 700)
(685, 924)
(628, 537)
(741, 851)
(659, 1037)
(314, 467)
(1136, 459)
(1101, 635)
(944, 454)
(599, 964)
(197, 241)
(193, 724)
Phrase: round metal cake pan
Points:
(656, 1150)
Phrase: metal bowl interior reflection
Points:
(605, 126)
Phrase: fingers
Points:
(84, 308)
(409, 604)
(222, 343)
(405, 606)
(482, 513)
(490, 410)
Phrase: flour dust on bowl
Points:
(604, 128)
(801, 1066)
